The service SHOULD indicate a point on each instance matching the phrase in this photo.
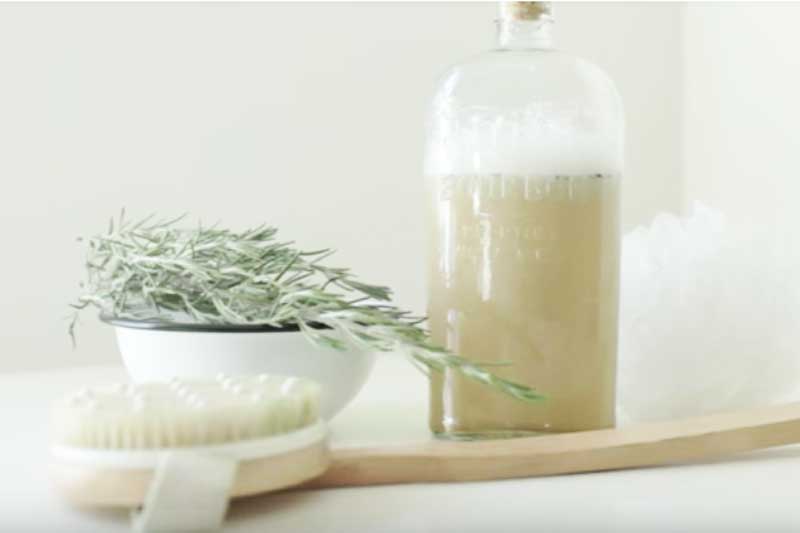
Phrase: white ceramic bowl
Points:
(157, 353)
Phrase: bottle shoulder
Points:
(546, 74)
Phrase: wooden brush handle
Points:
(589, 451)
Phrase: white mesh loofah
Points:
(709, 318)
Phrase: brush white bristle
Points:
(185, 413)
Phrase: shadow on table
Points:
(271, 504)
(111, 517)
(772, 455)
(775, 454)
(259, 507)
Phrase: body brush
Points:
(180, 450)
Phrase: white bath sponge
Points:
(709, 318)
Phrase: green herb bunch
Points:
(155, 270)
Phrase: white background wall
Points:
(305, 116)
(742, 95)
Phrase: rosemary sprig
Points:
(155, 270)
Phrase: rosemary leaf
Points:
(155, 270)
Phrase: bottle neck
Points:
(524, 34)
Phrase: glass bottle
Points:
(523, 163)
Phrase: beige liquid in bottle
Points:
(524, 272)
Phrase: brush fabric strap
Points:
(189, 492)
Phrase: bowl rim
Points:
(163, 325)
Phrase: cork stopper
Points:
(525, 10)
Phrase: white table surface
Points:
(754, 493)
